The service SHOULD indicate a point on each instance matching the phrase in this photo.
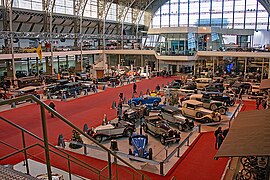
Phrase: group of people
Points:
(260, 101)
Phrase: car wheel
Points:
(133, 104)
(222, 111)
(207, 120)
(155, 103)
(98, 138)
(162, 140)
(199, 115)
(232, 103)
(150, 154)
(128, 133)
(213, 107)
(145, 128)
(180, 127)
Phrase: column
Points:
(78, 64)
(58, 64)
(269, 72)
(262, 69)
(37, 65)
(245, 69)
(147, 71)
(28, 65)
(67, 62)
(213, 60)
(49, 69)
(142, 63)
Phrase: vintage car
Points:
(218, 96)
(134, 113)
(158, 127)
(153, 109)
(112, 129)
(144, 100)
(189, 88)
(195, 109)
(139, 143)
(210, 104)
(215, 87)
(203, 82)
(154, 93)
(173, 115)
(174, 85)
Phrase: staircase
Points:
(7, 173)
(109, 171)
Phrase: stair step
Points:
(7, 173)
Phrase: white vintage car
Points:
(194, 109)
(203, 82)
(121, 128)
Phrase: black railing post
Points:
(25, 154)
(69, 172)
(188, 141)
(84, 149)
(109, 166)
(178, 152)
(46, 144)
(161, 168)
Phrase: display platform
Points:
(166, 154)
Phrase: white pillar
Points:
(118, 67)
(147, 71)
(245, 72)
(131, 67)
(262, 69)
(269, 70)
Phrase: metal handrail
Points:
(37, 144)
(43, 105)
(33, 135)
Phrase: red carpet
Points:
(198, 163)
(89, 109)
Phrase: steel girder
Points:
(48, 6)
(103, 9)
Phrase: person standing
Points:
(240, 94)
(220, 139)
(158, 88)
(134, 88)
(258, 103)
(217, 132)
(52, 105)
(264, 102)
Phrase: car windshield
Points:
(176, 112)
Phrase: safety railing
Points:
(47, 145)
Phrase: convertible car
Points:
(121, 128)
(144, 100)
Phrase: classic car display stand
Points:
(164, 157)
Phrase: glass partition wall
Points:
(184, 44)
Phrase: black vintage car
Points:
(216, 87)
(158, 127)
(218, 96)
(134, 113)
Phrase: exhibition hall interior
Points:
(135, 89)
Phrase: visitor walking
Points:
(220, 139)
(52, 105)
(217, 132)
(134, 88)
(264, 103)
(158, 88)
(258, 103)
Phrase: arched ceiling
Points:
(153, 7)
